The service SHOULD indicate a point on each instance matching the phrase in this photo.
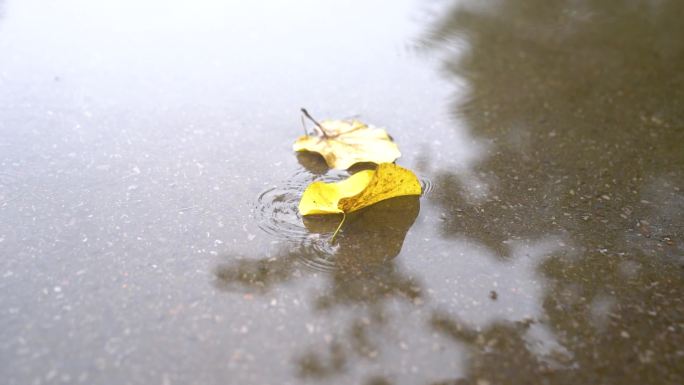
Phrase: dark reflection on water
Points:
(369, 240)
(371, 236)
(583, 107)
(363, 274)
(361, 255)
(583, 104)
(312, 162)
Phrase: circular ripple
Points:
(278, 215)
(426, 185)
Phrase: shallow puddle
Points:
(148, 193)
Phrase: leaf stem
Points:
(306, 132)
(320, 127)
(344, 216)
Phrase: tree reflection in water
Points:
(365, 276)
(583, 105)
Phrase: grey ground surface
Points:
(148, 192)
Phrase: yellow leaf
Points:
(359, 190)
(344, 143)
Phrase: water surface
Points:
(148, 192)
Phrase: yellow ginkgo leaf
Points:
(359, 190)
(344, 143)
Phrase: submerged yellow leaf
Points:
(345, 143)
(359, 190)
